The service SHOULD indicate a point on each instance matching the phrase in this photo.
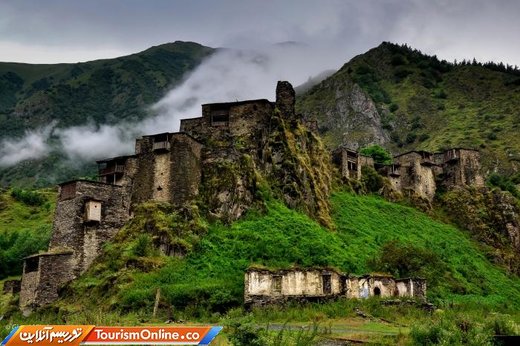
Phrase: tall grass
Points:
(212, 277)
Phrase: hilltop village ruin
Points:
(418, 173)
(221, 160)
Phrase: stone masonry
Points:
(418, 173)
(215, 160)
(263, 286)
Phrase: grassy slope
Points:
(211, 278)
(24, 230)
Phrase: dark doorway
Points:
(327, 287)
(377, 292)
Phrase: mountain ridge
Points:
(421, 102)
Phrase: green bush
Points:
(16, 245)
(378, 153)
(504, 183)
(28, 197)
(492, 136)
(371, 179)
(393, 107)
(411, 137)
(407, 260)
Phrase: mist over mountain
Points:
(56, 120)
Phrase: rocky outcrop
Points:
(346, 114)
(492, 216)
(264, 148)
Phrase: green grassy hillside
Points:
(211, 277)
(425, 103)
(102, 91)
(25, 226)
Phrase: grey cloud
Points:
(34, 145)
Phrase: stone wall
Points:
(416, 175)
(461, 167)
(72, 231)
(41, 285)
(262, 286)
(76, 241)
(11, 286)
(185, 168)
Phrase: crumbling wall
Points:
(41, 286)
(411, 287)
(76, 239)
(462, 168)
(264, 286)
(185, 168)
(11, 286)
(416, 176)
(72, 231)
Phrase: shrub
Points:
(371, 179)
(378, 153)
(441, 94)
(393, 107)
(405, 260)
(247, 334)
(28, 197)
(504, 183)
(492, 136)
(424, 137)
(411, 137)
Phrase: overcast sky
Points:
(328, 33)
(69, 31)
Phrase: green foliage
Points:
(14, 246)
(408, 260)
(460, 329)
(378, 153)
(371, 179)
(504, 183)
(211, 276)
(369, 80)
(24, 227)
(28, 197)
(247, 334)
(393, 107)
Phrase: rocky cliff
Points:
(493, 217)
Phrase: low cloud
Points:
(228, 75)
(91, 142)
(33, 145)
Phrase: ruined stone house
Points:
(264, 286)
(419, 173)
(350, 162)
(214, 158)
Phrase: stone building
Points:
(350, 162)
(263, 286)
(384, 286)
(418, 173)
(11, 286)
(88, 214)
(215, 160)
